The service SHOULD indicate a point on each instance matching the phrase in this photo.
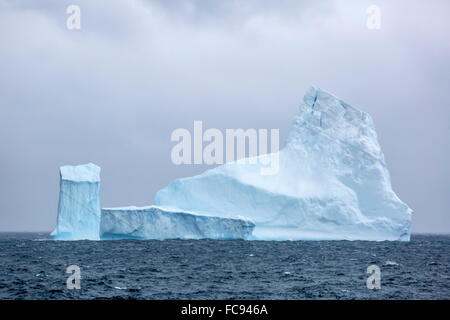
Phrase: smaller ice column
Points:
(79, 209)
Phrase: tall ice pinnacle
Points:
(332, 182)
(79, 203)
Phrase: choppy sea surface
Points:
(34, 267)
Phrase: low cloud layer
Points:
(112, 92)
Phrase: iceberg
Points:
(332, 182)
(79, 203)
(161, 223)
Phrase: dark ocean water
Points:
(34, 267)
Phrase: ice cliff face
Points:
(332, 182)
(159, 223)
(80, 216)
(79, 203)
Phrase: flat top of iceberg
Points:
(81, 173)
(161, 208)
(169, 209)
(128, 208)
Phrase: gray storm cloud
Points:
(112, 92)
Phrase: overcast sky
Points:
(112, 92)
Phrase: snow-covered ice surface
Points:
(160, 223)
(332, 182)
(79, 203)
